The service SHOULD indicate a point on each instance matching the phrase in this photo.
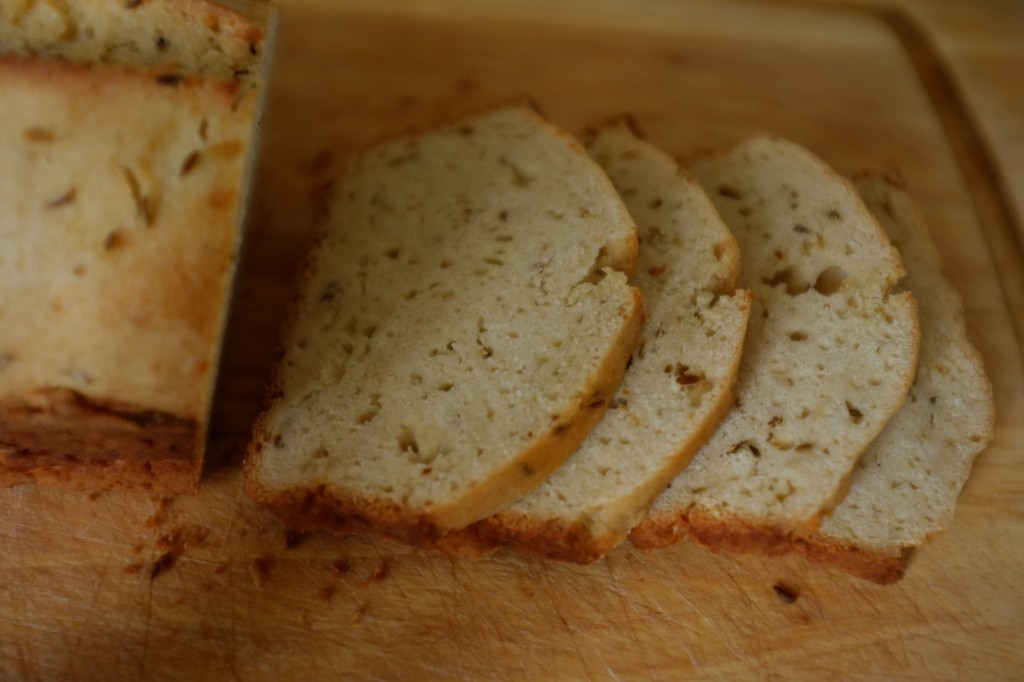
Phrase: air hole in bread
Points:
(798, 336)
(745, 445)
(795, 284)
(829, 281)
(490, 260)
(373, 411)
(519, 177)
(35, 134)
(445, 387)
(189, 164)
(114, 240)
(407, 441)
(393, 253)
(729, 192)
(855, 415)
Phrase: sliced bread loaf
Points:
(462, 323)
(830, 354)
(679, 381)
(904, 490)
(120, 213)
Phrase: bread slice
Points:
(120, 213)
(462, 324)
(830, 354)
(904, 491)
(679, 382)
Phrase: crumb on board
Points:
(381, 572)
(163, 564)
(259, 570)
(294, 538)
(786, 592)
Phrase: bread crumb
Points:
(293, 538)
(163, 564)
(787, 593)
(259, 570)
(381, 572)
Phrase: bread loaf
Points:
(125, 139)
(461, 326)
(679, 381)
(904, 490)
(829, 357)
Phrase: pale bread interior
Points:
(679, 381)
(904, 490)
(465, 312)
(830, 353)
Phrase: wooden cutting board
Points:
(133, 587)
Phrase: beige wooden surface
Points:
(125, 587)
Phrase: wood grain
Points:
(125, 587)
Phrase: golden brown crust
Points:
(550, 539)
(874, 565)
(62, 421)
(732, 534)
(62, 437)
(319, 509)
(68, 471)
(70, 74)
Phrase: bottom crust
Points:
(60, 437)
(881, 566)
(877, 565)
(67, 471)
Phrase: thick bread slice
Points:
(120, 212)
(904, 491)
(461, 326)
(679, 382)
(830, 354)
